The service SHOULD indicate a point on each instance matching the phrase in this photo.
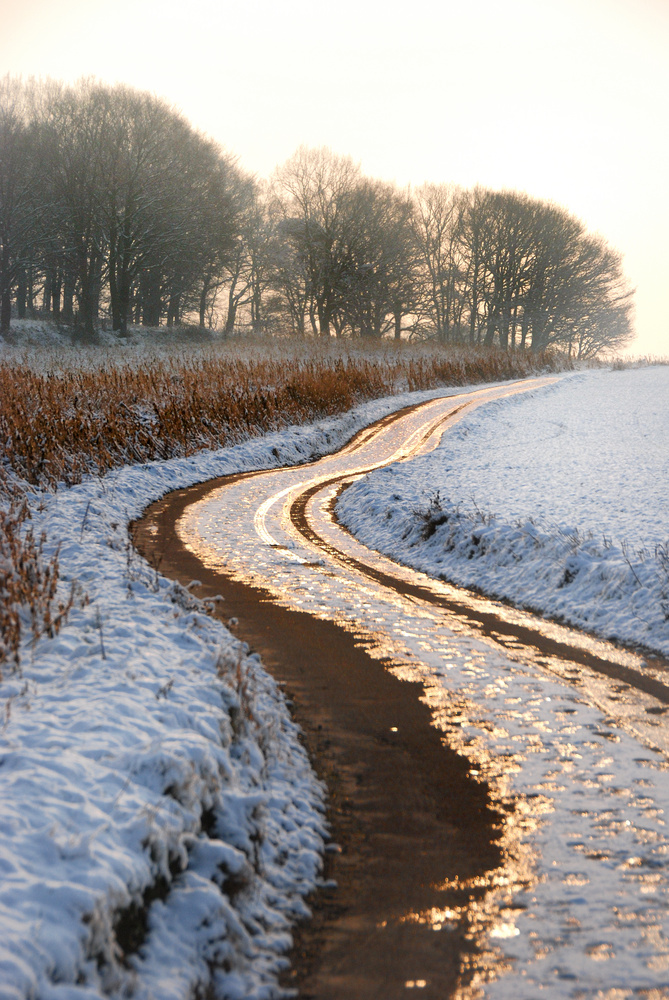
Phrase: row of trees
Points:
(111, 204)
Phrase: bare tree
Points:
(436, 225)
(75, 131)
(377, 274)
(135, 187)
(248, 269)
(311, 191)
(530, 275)
(21, 208)
(108, 195)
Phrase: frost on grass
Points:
(29, 570)
(556, 500)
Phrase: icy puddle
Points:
(578, 763)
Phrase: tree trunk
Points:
(256, 304)
(46, 293)
(114, 298)
(324, 313)
(30, 294)
(68, 298)
(490, 329)
(56, 286)
(124, 302)
(21, 294)
(377, 321)
(206, 285)
(174, 310)
(5, 310)
(473, 317)
(229, 328)
(312, 318)
(538, 337)
(151, 303)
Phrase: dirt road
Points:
(448, 728)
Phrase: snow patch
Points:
(556, 499)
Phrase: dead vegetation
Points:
(28, 584)
(60, 425)
(61, 421)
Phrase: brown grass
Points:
(59, 425)
(56, 427)
(28, 581)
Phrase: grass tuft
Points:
(28, 584)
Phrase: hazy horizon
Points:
(566, 101)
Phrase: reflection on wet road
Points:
(569, 732)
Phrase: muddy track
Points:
(509, 634)
(413, 832)
(403, 812)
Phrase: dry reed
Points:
(28, 583)
(60, 425)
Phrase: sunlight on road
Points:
(577, 762)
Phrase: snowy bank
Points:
(160, 822)
(557, 500)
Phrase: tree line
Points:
(113, 207)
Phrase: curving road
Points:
(549, 753)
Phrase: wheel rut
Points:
(406, 817)
(417, 840)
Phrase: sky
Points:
(567, 100)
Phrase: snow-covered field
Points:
(557, 500)
(159, 818)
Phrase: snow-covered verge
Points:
(41, 335)
(557, 500)
(159, 820)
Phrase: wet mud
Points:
(404, 814)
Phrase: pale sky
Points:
(565, 99)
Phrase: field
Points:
(556, 500)
(64, 417)
(68, 414)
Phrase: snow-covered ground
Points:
(578, 762)
(158, 816)
(40, 336)
(557, 500)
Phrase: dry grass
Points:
(60, 421)
(28, 582)
(622, 362)
(58, 426)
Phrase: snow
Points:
(148, 764)
(43, 340)
(146, 756)
(557, 500)
(579, 907)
